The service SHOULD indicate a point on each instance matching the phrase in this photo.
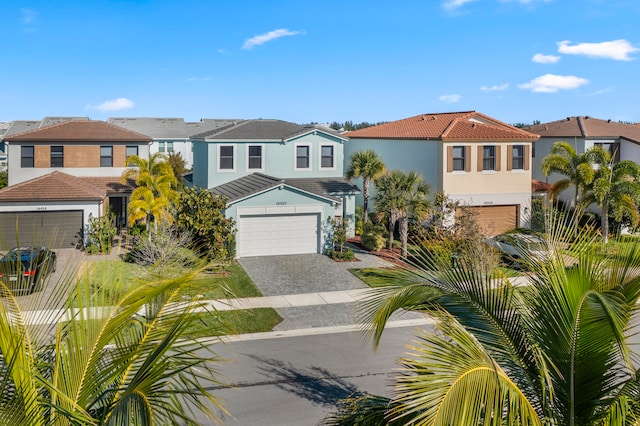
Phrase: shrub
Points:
(101, 232)
(373, 236)
(346, 254)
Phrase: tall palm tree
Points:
(402, 196)
(577, 169)
(615, 187)
(367, 165)
(156, 189)
(116, 354)
(555, 352)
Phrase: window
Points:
(302, 157)
(255, 157)
(517, 158)
(106, 156)
(326, 157)
(459, 158)
(131, 150)
(226, 157)
(489, 157)
(57, 156)
(165, 146)
(26, 156)
(169, 146)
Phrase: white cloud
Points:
(113, 105)
(450, 99)
(271, 35)
(28, 15)
(545, 59)
(495, 88)
(455, 4)
(551, 83)
(615, 49)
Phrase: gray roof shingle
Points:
(261, 129)
(159, 128)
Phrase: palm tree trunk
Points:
(365, 195)
(604, 220)
(404, 235)
(393, 218)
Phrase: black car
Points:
(24, 269)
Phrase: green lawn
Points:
(230, 282)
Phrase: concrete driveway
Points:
(303, 273)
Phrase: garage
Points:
(53, 229)
(269, 235)
(493, 220)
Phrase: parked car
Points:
(520, 248)
(24, 269)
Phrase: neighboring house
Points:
(284, 182)
(62, 174)
(621, 140)
(3, 155)
(477, 161)
(170, 134)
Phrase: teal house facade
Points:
(283, 181)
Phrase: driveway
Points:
(304, 273)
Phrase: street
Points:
(298, 380)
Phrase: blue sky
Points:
(320, 61)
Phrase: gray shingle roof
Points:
(255, 183)
(169, 128)
(21, 126)
(261, 129)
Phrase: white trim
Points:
(235, 159)
(295, 156)
(333, 145)
(256, 211)
(314, 131)
(262, 157)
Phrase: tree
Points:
(577, 169)
(202, 214)
(615, 188)
(556, 352)
(402, 197)
(178, 165)
(367, 165)
(116, 354)
(155, 190)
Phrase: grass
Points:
(230, 282)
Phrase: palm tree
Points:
(556, 352)
(616, 186)
(402, 196)
(577, 169)
(116, 355)
(367, 165)
(155, 192)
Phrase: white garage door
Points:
(270, 235)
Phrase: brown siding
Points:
(480, 157)
(527, 155)
(449, 159)
(498, 158)
(509, 157)
(81, 156)
(467, 158)
(42, 156)
(119, 155)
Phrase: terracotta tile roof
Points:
(79, 131)
(112, 185)
(56, 186)
(540, 186)
(467, 125)
(587, 127)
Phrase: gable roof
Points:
(21, 126)
(272, 130)
(587, 127)
(255, 183)
(159, 128)
(55, 186)
(79, 131)
(450, 126)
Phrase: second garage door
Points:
(270, 235)
(493, 220)
(53, 229)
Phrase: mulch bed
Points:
(393, 256)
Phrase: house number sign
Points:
(281, 203)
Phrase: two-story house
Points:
(477, 161)
(622, 140)
(284, 181)
(62, 174)
(170, 135)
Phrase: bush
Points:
(373, 236)
(101, 232)
(346, 254)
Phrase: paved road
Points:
(298, 380)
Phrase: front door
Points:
(118, 206)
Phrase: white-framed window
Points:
(255, 157)
(328, 156)
(459, 158)
(517, 161)
(489, 157)
(302, 160)
(226, 158)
